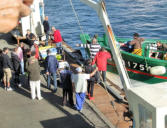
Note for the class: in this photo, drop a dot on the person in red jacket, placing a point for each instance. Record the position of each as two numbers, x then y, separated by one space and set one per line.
35 48
101 61
57 39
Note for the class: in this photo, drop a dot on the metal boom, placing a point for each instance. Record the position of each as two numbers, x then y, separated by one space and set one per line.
100 8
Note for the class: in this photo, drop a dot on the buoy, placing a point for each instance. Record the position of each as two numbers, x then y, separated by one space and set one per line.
158 70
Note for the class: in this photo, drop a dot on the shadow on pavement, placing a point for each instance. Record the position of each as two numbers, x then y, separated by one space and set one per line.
69 121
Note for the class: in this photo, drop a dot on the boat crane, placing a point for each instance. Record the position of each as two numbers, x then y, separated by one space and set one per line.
147 103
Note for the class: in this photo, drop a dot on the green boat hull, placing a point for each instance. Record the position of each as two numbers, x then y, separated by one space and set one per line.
138 67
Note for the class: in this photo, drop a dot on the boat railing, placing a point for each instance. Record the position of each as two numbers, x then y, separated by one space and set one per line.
151 50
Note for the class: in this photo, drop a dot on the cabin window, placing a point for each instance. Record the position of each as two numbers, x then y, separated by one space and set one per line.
145 117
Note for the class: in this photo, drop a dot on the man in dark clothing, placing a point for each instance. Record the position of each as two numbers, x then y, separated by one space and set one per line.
89 69
66 82
30 38
16 66
51 69
46 28
7 67
1 66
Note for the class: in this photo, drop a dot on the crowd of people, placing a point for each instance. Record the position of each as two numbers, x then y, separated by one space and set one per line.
25 62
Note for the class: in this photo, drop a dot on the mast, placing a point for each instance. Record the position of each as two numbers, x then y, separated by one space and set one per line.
100 8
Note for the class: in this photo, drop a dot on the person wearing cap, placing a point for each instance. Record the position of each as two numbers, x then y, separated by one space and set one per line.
51 69
137 42
79 81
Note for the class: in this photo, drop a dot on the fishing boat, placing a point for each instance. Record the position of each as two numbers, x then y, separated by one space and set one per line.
147 103
138 67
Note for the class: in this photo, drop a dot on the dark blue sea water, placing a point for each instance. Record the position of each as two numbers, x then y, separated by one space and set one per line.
147 17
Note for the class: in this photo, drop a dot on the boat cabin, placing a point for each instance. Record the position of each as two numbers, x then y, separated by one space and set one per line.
149 106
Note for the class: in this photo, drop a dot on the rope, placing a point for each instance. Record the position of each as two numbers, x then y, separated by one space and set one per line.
76 15
79 24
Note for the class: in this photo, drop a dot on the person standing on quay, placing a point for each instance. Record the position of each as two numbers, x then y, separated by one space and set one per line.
16 66
66 83
20 55
33 69
46 28
89 69
1 66
7 67
57 39
79 82
51 69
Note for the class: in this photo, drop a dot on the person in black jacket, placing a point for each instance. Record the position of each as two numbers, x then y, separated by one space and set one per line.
7 67
16 66
88 69
46 28
66 82
1 66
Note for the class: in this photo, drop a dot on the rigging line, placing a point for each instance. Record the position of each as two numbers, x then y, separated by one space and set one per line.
75 13
79 24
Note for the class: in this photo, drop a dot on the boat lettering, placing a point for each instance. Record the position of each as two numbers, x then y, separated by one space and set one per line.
138 66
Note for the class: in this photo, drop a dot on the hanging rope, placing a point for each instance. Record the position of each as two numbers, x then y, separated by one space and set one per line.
75 13
79 24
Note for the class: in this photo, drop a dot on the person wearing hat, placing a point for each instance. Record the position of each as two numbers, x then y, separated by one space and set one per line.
79 82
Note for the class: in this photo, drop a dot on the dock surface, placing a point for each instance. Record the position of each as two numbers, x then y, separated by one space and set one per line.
17 110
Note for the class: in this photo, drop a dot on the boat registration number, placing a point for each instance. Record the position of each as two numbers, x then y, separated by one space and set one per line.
138 66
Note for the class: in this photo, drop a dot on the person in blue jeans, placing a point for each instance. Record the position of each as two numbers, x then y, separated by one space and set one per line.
51 69
79 83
